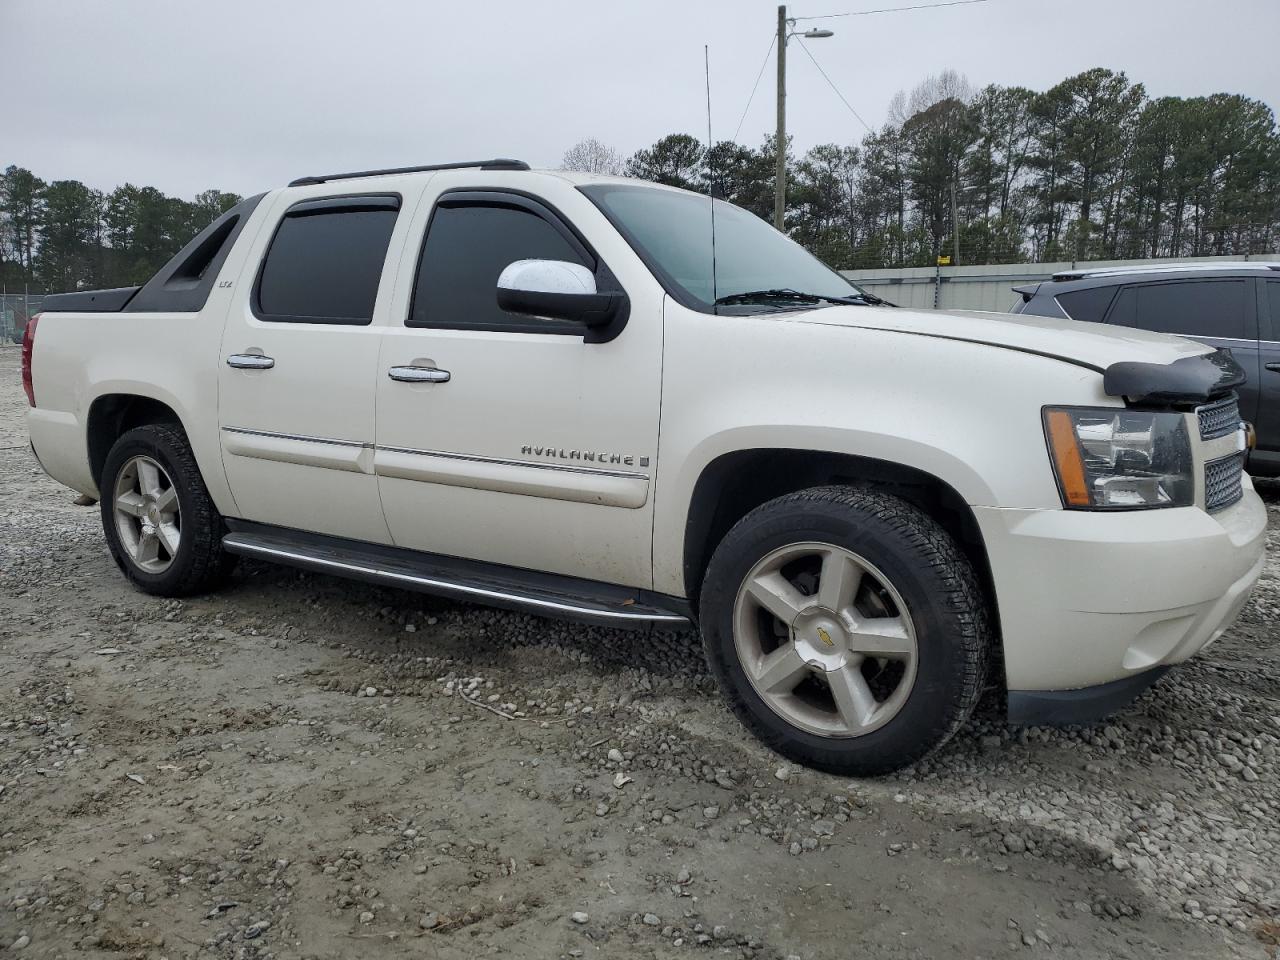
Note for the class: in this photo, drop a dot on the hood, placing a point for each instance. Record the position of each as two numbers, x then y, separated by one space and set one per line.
1093 345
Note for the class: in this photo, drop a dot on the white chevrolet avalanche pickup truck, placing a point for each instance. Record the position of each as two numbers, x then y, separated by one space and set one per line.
556 393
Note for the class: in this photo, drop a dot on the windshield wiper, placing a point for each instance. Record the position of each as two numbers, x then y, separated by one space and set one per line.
868 298
767 296
785 294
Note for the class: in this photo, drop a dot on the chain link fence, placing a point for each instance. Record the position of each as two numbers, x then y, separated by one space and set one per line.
15 309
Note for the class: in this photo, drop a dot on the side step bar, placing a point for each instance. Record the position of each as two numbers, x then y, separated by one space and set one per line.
548 595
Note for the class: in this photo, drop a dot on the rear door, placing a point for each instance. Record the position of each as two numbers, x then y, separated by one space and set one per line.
1219 311
1268 416
298 360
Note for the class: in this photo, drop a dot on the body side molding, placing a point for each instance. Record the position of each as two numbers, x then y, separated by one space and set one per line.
348 455
532 478
610 488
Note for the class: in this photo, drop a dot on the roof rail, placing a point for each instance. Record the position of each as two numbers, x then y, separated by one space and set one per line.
498 163
1082 273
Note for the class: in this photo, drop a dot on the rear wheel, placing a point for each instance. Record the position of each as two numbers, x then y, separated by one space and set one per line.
161 526
846 628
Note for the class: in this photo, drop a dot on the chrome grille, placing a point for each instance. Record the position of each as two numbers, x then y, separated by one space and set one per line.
1222 485
1219 419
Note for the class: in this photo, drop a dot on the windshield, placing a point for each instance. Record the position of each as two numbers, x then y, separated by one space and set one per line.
755 265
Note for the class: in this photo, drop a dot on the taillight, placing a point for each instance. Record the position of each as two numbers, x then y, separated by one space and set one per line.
28 345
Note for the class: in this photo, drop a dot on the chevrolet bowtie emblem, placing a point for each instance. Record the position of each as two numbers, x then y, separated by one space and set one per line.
825 637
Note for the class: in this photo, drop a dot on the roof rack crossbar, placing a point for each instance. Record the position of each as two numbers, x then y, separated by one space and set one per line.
498 163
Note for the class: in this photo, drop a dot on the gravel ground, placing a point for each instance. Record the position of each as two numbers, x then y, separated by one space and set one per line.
307 767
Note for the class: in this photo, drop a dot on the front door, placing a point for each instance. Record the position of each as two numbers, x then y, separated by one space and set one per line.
298 362
527 445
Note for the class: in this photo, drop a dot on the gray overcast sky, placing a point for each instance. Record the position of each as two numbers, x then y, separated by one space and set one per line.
244 95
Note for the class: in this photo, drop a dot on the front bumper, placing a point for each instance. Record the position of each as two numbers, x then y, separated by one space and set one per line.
1087 599
1086 705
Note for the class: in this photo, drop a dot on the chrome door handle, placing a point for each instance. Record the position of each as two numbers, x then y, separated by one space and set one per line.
250 361
419 374
1274 367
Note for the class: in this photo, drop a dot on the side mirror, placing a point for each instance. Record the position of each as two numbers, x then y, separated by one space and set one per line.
559 290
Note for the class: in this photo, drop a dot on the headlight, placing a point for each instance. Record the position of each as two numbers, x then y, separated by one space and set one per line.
1110 458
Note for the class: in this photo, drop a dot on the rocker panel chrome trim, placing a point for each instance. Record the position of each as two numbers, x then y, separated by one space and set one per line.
244 545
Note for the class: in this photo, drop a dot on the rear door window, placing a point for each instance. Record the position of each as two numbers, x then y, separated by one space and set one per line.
1192 308
325 261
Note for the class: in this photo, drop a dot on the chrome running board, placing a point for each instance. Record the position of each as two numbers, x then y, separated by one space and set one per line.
528 591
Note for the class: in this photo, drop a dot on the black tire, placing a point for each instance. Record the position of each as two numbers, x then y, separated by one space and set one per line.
199 563
931 575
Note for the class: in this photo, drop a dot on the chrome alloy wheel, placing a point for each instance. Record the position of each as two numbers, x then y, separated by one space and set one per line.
825 639
145 505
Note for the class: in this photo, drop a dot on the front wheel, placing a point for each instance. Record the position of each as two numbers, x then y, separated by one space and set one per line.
162 528
846 628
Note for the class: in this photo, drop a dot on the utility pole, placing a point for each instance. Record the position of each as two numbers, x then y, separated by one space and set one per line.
780 144
780 171
955 227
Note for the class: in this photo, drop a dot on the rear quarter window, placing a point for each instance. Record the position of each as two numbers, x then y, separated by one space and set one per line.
1089 305
1039 305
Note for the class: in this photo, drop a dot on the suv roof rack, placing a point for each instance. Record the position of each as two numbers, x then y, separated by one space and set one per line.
498 163
1184 267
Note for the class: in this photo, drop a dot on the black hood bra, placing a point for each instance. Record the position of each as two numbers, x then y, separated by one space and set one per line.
1189 380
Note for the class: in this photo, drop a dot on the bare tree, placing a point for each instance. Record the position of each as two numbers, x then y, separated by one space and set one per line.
592 156
947 85
897 113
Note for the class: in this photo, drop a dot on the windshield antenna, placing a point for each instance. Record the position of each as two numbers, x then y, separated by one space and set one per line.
711 179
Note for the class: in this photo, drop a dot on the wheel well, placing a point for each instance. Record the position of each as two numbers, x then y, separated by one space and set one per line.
735 484
113 414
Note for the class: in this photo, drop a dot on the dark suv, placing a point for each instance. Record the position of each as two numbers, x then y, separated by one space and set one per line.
1235 306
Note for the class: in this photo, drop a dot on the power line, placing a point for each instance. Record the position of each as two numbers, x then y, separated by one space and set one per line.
867 13
763 64
797 39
